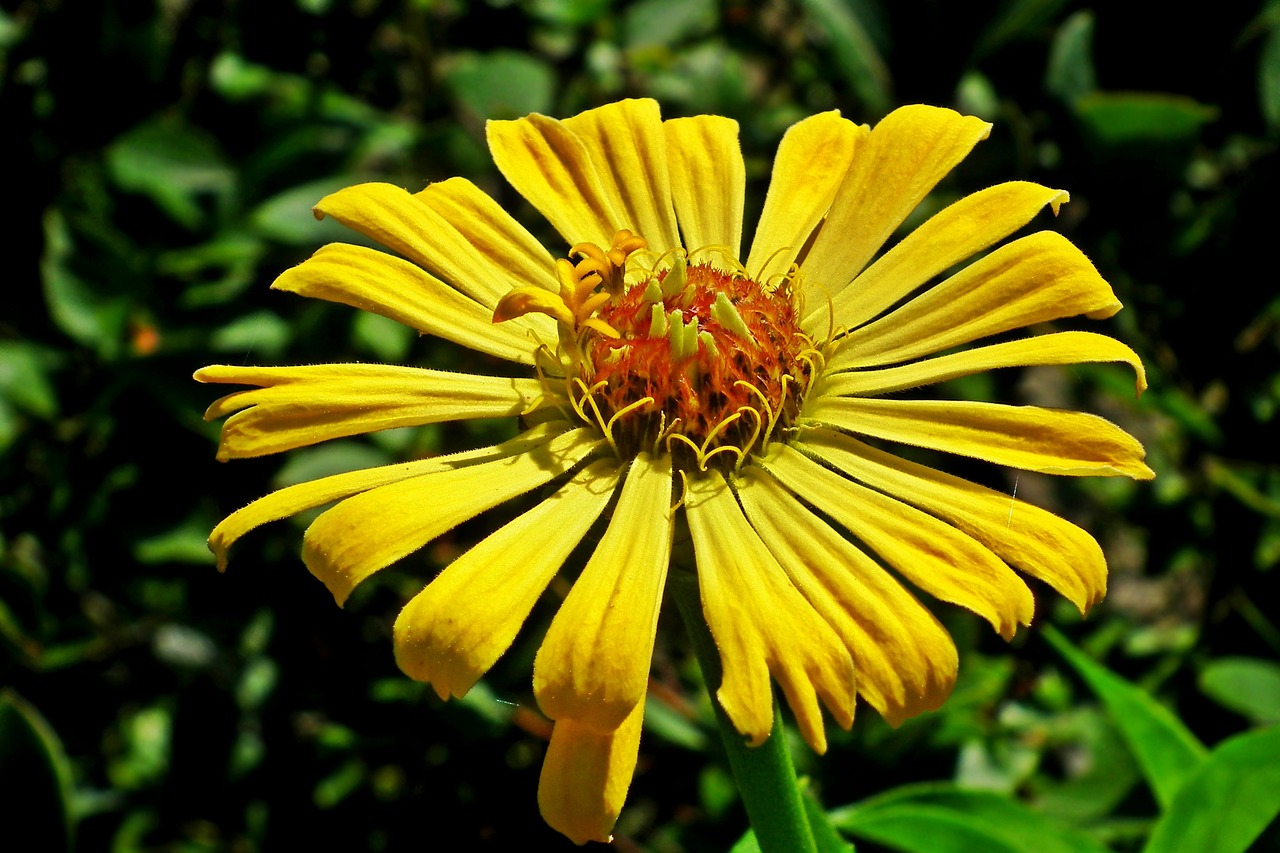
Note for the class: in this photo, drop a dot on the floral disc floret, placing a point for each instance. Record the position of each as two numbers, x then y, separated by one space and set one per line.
690 352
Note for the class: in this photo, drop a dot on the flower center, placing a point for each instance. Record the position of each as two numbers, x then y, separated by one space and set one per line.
685 353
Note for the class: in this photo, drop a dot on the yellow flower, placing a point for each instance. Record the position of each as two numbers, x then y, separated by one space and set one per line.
678 386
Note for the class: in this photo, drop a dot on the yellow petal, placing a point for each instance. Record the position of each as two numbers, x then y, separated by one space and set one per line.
506 253
762 625
585 777
377 282
410 226
708 180
629 149
455 629
812 160
1057 348
933 555
1035 279
370 531
593 665
957 232
1051 441
551 167
903 158
292 500
1027 537
298 406
904 659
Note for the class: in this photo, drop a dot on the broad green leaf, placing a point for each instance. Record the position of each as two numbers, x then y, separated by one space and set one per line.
502 84
942 818
1070 75
855 54
1166 751
174 164
35 775
287 218
1228 802
1249 686
24 378
83 312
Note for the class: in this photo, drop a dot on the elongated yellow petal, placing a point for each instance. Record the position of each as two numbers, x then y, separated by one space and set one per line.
1027 537
593 665
905 156
551 167
410 226
370 531
585 777
708 180
933 555
957 232
904 659
812 160
292 500
298 406
629 149
762 624
455 629
1051 441
382 284
509 254
1057 348
1035 279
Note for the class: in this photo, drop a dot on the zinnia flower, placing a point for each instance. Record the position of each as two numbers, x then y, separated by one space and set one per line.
674 383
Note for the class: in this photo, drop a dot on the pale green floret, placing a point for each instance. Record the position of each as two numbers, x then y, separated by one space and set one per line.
708 342
684 339
658 325
653 293
727 316
676 278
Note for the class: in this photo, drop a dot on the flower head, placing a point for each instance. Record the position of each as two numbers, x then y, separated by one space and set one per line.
674 384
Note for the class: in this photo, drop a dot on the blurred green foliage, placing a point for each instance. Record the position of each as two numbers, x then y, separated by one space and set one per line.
168 154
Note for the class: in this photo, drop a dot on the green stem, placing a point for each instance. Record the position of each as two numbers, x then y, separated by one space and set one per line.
765 776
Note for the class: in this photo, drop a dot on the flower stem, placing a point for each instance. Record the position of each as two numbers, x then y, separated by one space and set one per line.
765 776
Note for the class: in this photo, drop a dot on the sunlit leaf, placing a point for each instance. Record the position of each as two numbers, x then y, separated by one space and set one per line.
1165 749
1228 802
1249 686
501 84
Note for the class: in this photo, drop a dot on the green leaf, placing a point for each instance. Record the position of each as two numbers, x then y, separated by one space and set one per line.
942 818
825 835
1228 802
36 775
174 164
1269 78
651 23
287 218
1116 120
1249 686
501 84
1167 752
82 311
1070 75
855 53
23 378
1017 20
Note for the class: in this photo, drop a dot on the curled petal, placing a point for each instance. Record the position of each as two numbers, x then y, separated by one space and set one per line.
762 624
931 554
585 777
593 665
904 659
370 531
1027 537
455 629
